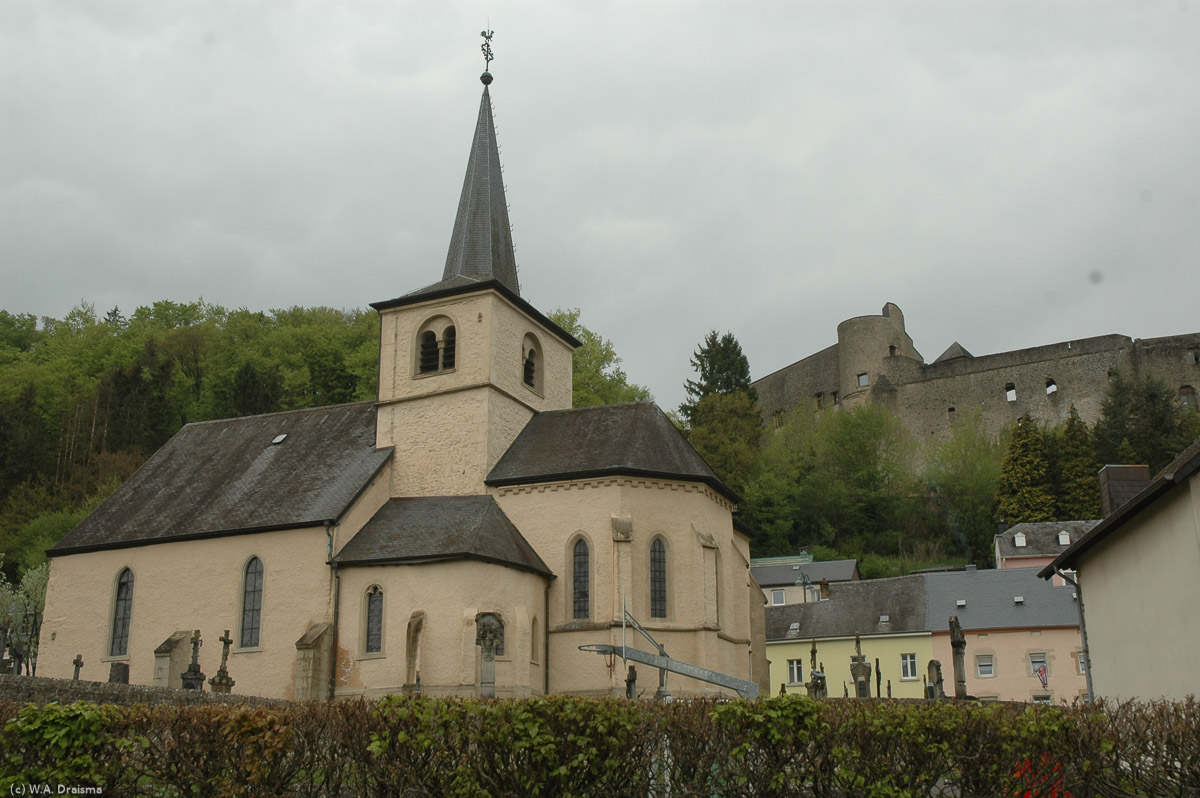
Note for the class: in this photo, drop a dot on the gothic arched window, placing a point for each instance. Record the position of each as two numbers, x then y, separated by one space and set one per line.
252 592
580 581
374 619
122 611
658 579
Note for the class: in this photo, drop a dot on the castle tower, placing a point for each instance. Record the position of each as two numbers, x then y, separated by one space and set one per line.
464 363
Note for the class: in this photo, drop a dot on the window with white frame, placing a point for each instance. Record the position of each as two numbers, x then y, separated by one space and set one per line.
1081 658
777 597
985 666
1041 698
795 671
1037 659
908 666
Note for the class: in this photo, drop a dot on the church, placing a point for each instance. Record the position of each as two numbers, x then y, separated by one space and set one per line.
351 550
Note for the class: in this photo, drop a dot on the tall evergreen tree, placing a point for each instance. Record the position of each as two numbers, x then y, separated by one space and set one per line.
722 367
1077 490
728 434
1025 492
1142 422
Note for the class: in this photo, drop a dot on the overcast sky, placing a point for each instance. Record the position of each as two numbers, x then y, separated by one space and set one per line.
1009 173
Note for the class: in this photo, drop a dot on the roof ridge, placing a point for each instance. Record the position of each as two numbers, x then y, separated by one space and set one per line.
293 411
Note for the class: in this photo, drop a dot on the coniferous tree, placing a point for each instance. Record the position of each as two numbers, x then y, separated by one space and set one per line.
727 433
1025 492
1078 488
1142 423
722 368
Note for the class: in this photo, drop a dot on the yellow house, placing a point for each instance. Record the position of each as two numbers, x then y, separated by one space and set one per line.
887 615
371 548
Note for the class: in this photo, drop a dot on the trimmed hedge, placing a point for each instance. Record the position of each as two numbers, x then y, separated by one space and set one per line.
565 746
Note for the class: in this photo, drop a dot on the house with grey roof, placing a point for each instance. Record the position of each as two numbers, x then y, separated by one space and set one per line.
1138 581
465 533
1022 633
792 580
1023 641
1034 544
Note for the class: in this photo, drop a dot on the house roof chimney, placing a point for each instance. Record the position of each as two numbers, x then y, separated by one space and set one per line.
1120 483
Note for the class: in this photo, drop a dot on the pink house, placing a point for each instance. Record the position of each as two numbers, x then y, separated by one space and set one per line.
1036 544
1023 641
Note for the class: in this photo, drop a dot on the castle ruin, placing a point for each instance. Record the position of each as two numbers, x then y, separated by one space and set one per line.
874 361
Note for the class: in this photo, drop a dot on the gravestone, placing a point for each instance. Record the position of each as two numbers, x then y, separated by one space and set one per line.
192 678
933 684
118 673
860 670
171 658
487 637
958 642
221 683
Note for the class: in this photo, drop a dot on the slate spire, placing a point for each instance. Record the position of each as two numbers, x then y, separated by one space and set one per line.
481 245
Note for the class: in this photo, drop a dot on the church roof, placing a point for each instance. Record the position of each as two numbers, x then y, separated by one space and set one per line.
429 529
481 245
630 439
229 476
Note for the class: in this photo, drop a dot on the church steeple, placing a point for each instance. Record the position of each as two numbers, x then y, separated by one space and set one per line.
481 244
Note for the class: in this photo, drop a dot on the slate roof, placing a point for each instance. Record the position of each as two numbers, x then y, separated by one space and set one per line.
223 477
1177 472
768 575
1041 537
481 245
953 352
853 607
990 601
627 439
429 529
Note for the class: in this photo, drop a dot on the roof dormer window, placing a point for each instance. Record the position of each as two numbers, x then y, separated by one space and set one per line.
1064 538
1019 540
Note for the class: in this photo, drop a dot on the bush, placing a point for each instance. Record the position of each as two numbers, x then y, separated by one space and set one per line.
570 746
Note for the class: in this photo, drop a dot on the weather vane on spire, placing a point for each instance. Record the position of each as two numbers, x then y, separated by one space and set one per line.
487 48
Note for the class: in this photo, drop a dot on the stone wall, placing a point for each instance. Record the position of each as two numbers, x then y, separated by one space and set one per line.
929 397
42 690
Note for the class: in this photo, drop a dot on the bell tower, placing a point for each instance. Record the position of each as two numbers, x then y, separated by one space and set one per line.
464 363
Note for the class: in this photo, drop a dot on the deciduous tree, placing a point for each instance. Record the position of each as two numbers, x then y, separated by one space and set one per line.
596 374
